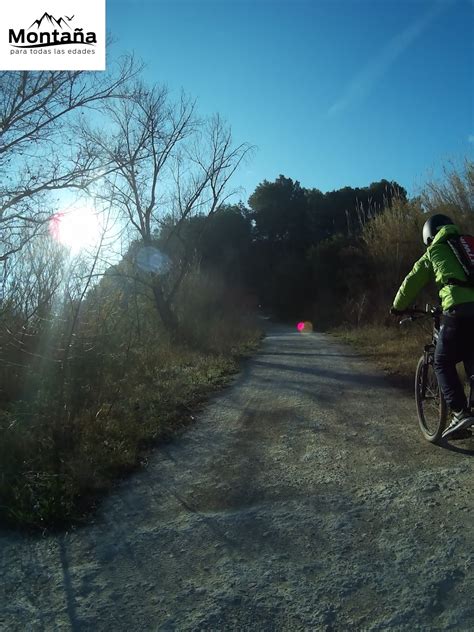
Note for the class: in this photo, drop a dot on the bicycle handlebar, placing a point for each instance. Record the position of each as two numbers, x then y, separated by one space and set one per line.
433 312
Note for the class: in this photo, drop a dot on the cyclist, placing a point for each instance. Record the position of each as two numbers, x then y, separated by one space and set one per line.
456 335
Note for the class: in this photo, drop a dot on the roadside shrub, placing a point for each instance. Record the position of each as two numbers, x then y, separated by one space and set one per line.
341 280
454 193
215 317
83 417
392 242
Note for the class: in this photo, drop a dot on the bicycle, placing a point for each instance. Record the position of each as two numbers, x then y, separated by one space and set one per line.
431 406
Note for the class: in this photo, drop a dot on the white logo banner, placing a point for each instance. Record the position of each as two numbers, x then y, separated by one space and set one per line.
52 35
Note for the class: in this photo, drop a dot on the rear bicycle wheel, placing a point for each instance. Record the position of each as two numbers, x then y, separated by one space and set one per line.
430 403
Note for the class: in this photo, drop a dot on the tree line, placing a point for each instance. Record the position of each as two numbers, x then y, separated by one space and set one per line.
325 257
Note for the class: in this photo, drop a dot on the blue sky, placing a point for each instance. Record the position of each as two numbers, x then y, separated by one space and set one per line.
332 93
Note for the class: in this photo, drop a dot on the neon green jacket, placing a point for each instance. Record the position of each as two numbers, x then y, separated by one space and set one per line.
438 262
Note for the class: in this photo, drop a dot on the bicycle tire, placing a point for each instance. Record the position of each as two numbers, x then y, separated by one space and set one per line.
432 410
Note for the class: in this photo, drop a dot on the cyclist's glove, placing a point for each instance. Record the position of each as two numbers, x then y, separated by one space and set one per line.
396 312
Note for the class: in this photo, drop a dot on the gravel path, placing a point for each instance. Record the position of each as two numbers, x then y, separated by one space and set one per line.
304 498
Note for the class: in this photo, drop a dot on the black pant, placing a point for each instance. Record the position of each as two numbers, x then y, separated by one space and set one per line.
455 344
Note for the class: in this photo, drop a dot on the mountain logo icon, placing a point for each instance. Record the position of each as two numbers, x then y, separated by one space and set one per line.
51 31
47 18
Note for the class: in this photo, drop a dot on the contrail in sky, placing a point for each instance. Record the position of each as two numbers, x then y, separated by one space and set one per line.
361 84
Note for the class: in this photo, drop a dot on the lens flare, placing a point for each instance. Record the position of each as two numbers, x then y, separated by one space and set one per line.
305 327
150 259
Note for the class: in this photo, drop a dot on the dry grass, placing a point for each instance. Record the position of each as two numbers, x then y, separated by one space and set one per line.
56 463
394 350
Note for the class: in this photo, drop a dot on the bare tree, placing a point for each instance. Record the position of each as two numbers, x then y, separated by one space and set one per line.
168 162
32 279
39 151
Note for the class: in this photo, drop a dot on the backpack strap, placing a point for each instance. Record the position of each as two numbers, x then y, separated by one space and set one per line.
460 283
462 247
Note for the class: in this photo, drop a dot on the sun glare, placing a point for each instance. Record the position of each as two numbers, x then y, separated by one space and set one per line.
76 229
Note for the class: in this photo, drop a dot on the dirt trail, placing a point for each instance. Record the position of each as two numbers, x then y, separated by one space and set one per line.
304 498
